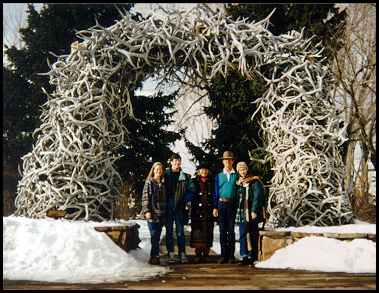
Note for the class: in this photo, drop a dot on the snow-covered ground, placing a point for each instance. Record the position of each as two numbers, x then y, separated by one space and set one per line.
327 254
320 253
73 252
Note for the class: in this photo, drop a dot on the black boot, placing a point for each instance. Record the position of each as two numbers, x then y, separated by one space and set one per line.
222 260
154 260
232 260
245 261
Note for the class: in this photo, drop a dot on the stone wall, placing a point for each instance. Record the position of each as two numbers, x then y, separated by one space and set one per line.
125 236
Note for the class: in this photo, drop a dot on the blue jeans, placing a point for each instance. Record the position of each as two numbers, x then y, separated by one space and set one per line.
244 229
178 219
155 229
227 235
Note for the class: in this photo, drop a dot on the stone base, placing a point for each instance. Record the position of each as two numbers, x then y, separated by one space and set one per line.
126 236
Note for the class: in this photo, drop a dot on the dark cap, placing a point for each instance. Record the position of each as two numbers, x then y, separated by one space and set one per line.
202 165
227 155
175 156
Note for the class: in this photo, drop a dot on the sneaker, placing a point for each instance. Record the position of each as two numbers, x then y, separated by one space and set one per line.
183 258
154 260
171 257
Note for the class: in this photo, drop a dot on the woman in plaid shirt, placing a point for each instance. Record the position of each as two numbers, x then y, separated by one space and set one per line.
154 206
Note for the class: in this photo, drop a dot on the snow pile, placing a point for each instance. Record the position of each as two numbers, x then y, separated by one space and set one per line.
71 252
351 228
326 255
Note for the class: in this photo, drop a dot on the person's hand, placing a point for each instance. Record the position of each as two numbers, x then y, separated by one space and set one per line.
215 213
253 215
147 215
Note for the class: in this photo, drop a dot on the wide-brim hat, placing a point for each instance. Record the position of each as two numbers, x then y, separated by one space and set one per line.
202 165
227 155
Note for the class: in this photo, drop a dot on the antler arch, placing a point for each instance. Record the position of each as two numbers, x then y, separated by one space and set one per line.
71 164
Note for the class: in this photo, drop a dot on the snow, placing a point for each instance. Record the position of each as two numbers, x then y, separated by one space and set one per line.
71 252
351 228
325 254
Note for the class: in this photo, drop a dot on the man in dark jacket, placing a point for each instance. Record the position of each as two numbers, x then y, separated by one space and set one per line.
177 184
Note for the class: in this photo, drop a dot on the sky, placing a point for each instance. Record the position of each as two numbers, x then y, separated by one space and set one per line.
73 252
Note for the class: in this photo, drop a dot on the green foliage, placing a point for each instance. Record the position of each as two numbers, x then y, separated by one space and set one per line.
16 117
323 21
232 99
148 140
53 30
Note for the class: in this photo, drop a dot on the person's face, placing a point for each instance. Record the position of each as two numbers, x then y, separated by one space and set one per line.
203 172
176 164
228 163
242 171
158 171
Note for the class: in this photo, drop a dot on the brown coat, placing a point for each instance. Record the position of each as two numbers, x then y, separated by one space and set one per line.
201 214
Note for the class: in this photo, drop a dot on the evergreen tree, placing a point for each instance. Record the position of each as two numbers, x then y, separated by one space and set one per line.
16 130
148 139
53 30
232 99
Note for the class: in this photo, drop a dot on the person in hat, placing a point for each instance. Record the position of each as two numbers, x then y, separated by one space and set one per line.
224 206
248 212
177 184
202 221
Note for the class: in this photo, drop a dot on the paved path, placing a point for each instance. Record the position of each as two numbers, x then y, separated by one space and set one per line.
210 275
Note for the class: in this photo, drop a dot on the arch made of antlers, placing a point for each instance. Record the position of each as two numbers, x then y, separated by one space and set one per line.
71 164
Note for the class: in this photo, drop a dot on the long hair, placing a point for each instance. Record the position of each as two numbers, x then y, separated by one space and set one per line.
151 173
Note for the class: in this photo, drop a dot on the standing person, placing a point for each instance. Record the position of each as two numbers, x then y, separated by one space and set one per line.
154 208
243 217
249 212
177 185
224 206
201 212
256 211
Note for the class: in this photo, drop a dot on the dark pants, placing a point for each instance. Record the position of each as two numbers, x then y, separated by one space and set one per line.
155 229
178 219
227 235
255 235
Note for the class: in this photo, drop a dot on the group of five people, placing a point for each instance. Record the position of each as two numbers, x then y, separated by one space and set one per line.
230 197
